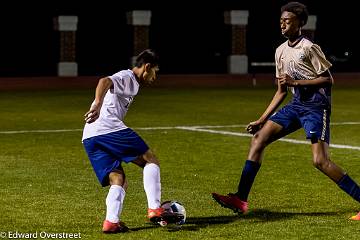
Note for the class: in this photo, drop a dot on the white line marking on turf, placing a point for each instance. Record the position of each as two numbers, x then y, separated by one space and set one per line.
139 128
150 128
41 131
200 129
345 123
249 135
203 126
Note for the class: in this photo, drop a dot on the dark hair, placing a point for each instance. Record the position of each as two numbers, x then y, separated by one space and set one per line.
147 56
299 9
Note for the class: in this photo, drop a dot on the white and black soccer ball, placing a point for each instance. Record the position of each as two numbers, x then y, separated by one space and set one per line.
175 207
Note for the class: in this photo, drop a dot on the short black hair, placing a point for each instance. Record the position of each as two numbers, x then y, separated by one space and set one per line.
299 9
147 56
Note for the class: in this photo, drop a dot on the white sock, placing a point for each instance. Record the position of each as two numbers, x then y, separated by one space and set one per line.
152 185
114 203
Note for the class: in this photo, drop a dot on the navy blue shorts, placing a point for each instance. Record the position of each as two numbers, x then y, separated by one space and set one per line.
106 152
315 121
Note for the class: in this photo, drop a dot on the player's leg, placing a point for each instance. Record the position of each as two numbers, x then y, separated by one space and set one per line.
316 124
280 124
321 161
269 133
109 172
130 147
152 186
151 180
238 201
114 202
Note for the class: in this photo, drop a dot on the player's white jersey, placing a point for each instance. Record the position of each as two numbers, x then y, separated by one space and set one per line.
305 60
115 106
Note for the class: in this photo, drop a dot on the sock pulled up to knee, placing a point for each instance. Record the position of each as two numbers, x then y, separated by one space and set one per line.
350 187
247 179
152 185
114 203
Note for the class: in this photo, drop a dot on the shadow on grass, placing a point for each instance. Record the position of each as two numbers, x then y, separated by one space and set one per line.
265 215
193 223
147 226
259 215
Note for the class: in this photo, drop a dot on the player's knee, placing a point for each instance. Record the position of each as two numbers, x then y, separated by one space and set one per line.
150 157
257 142
320 162
117 178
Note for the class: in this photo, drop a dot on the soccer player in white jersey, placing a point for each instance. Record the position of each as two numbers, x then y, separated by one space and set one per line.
301 66
109 142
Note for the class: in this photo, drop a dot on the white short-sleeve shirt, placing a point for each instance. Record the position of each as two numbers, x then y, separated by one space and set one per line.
115 106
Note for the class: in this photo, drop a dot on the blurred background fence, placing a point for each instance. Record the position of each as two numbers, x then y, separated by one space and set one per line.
231 37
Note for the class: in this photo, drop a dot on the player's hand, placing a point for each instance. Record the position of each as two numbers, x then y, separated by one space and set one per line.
287 81
253 127
92 114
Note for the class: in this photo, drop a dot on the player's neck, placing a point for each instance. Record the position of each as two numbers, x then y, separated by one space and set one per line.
292 41
137 72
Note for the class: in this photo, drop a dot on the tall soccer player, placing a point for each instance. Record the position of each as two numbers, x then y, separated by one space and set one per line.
109 142
302 68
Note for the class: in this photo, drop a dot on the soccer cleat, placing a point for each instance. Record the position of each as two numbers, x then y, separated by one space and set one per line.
154 215
109 227
356 217
163 218
232 202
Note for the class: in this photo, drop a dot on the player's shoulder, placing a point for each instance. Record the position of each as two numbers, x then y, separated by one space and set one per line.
306 43
124 75
311 47
282 46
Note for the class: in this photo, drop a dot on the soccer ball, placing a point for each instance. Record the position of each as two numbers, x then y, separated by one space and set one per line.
175 207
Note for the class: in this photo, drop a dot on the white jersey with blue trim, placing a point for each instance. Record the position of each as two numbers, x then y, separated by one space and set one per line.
115 106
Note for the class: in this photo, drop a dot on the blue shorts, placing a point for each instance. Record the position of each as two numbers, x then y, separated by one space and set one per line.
106 152
315 121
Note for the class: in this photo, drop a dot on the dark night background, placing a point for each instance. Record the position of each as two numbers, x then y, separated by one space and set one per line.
190 36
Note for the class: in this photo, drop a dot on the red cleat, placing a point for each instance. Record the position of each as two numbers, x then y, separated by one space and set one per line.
162 217
232 202
356 217
109 227
154 215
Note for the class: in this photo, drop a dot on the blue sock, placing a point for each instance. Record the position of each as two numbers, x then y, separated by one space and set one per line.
247 178
350 187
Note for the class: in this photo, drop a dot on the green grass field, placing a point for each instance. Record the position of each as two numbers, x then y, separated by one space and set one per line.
47 183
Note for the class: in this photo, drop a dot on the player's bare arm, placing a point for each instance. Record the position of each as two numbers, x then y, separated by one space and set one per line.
103 86
278 98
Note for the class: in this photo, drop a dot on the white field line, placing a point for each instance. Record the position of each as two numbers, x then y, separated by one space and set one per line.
41 131
140 128
289 140
149 128
200 129
345 123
